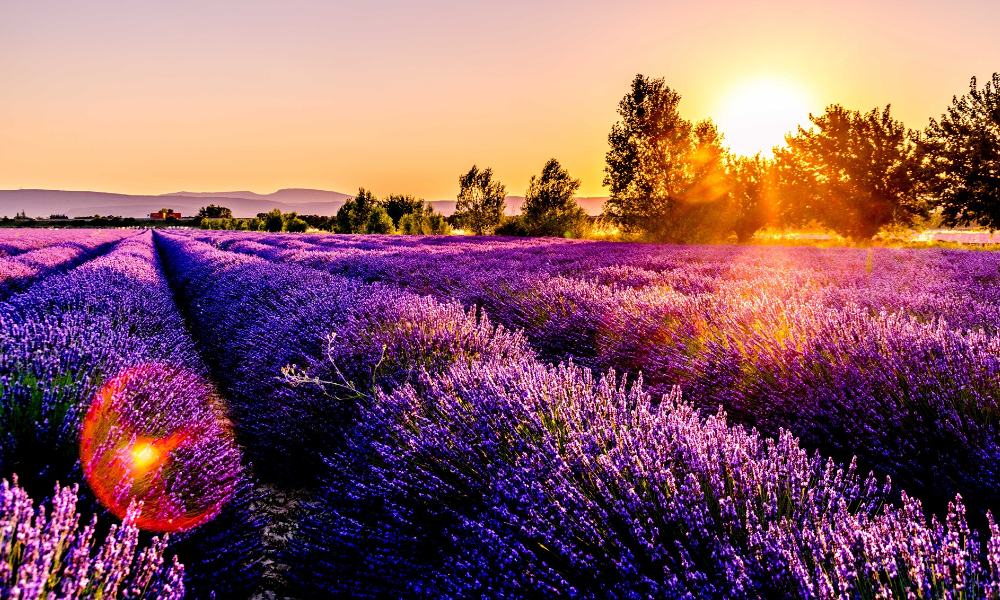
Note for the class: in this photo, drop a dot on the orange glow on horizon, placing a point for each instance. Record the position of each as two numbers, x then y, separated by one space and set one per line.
755 116
153 98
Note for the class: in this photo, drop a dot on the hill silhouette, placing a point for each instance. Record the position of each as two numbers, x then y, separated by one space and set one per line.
42 203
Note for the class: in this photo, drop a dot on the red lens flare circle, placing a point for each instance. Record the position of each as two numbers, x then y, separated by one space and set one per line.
153 434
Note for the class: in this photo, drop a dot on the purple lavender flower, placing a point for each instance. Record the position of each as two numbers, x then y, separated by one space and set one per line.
45 554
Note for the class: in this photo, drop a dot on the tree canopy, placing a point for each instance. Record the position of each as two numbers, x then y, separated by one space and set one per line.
354 215
273 221
665 173
752 187
424 222
550 208
961 153
379 221
481 201
855 172
215 212
397 205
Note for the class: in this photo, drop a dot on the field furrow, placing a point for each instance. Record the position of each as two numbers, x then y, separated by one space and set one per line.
18 272
70 336
433 444
887 355
14 242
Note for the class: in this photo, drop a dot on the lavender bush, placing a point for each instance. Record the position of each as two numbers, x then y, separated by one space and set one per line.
398 387
288 323
14 242
533 481
68 335
49 252
45 554
887 355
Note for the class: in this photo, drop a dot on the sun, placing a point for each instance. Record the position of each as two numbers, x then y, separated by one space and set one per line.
756 116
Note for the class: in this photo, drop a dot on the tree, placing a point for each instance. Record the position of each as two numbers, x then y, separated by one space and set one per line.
550 208
215 212
751 186
481 201
379 221
961 155
513 226
296 225
353 215
397 205
424 222
854 172
273 221
438 223
666 175
412 224
292 223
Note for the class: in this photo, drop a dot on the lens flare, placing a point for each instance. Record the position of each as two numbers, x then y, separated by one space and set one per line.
153 434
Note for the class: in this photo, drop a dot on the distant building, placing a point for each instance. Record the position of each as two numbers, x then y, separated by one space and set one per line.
164 215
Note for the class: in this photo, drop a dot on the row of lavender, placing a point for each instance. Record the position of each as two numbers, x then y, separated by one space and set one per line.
892 356
14 242
455 464
61 340
33 255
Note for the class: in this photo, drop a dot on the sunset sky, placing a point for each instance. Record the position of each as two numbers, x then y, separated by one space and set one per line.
154 96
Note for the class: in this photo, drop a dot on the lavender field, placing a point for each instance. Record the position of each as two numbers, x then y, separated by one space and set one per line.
317 416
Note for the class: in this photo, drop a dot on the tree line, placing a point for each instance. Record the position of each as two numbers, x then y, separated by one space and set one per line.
395 213
852 172
220 217
674 181
549 209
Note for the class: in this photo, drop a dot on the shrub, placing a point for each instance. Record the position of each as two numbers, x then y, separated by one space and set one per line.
50 556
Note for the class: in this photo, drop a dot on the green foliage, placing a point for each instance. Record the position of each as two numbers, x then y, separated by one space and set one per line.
215 212
514 227
343 217
398 205
379 221
961 155
33 423
854 172
751 187
322 223
481 201
438 224
549 205
424 222
296 225
354 215
667 176
273 221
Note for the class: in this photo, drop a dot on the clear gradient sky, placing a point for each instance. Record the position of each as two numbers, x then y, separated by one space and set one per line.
155 96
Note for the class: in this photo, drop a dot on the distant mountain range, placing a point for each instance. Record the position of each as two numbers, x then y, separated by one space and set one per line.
42 203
